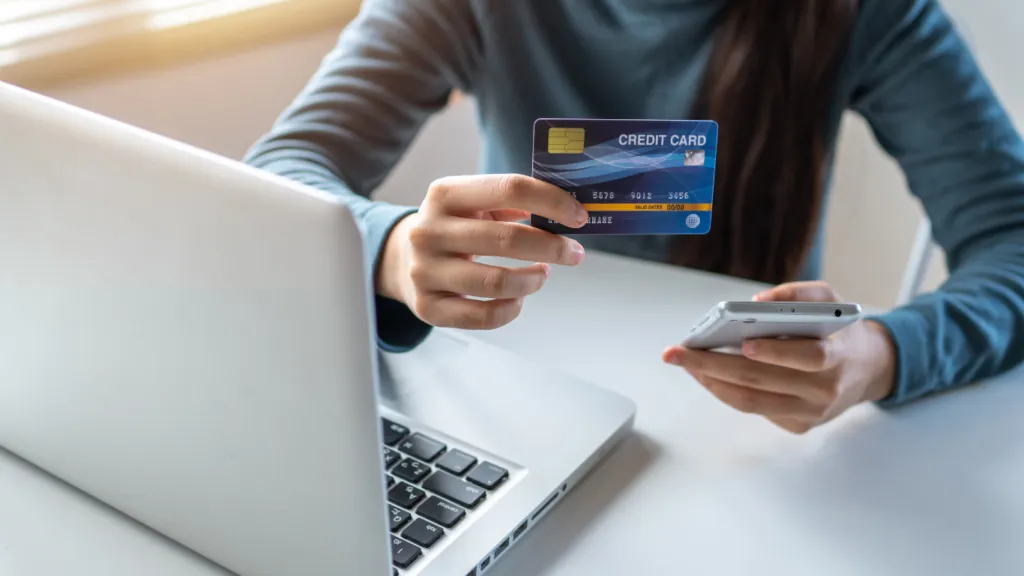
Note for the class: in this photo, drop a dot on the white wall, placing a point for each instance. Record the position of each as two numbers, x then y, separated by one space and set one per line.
225 104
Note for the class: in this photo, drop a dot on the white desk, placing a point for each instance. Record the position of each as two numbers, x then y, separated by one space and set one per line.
935 489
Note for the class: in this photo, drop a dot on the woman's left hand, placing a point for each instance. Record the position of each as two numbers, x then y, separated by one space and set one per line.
798 384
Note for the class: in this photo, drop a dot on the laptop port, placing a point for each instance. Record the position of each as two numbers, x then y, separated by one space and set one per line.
472 572
519 531
501 548
485 564
544 506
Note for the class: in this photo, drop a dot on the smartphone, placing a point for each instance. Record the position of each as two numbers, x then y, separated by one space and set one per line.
729 324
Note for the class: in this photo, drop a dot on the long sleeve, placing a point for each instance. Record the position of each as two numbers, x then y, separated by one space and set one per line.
393 67
930 107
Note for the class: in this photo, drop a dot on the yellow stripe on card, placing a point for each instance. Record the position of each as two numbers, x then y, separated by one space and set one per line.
647 207
566 140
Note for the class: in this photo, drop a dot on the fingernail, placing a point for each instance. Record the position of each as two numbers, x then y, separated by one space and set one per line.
546 269
577 252
750 348
678 358
581 216
760 296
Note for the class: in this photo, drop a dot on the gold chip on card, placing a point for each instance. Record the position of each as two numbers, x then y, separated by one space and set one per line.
566 140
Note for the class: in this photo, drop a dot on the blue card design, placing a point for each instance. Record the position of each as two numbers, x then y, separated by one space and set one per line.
633 176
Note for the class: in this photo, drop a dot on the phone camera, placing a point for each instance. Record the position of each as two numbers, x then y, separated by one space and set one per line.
839 313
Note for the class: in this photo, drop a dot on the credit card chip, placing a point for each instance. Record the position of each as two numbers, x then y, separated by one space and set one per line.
566 140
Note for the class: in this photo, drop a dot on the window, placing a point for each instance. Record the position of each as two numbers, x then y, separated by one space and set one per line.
68 33
24 23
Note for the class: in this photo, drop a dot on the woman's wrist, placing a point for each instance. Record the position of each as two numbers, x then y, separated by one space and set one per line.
883 357
392 265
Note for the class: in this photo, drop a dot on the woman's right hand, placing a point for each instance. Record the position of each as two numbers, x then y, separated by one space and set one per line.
429 258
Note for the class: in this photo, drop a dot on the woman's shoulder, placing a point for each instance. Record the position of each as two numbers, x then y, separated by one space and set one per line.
893 35
883 25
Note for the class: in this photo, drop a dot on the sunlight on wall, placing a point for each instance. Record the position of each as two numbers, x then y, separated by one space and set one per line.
207 10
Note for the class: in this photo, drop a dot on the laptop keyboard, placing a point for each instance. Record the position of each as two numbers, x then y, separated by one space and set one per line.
431 489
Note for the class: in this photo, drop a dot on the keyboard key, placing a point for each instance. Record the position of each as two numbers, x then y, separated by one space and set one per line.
403 553
393 433
422 447
456 461
405 495
390 457
411 470
450 487
397 518
391 480
423 533
488 475
444 513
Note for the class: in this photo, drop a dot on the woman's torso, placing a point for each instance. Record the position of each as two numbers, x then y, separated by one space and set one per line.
592 59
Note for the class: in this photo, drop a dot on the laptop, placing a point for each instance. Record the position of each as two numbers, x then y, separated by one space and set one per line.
190 340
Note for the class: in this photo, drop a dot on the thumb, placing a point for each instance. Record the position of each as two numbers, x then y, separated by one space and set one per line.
799 292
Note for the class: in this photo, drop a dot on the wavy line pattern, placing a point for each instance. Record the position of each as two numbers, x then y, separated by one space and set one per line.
607 162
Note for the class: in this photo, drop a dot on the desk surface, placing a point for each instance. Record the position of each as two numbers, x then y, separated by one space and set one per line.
937 488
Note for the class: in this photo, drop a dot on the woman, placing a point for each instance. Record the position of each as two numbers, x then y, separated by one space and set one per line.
777 77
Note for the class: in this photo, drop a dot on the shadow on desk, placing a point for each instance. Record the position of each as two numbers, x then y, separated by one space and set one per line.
935 488
592 498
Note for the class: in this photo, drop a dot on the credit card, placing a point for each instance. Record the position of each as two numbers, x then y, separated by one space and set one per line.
632 176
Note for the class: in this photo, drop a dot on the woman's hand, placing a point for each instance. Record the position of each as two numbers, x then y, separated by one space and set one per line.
798 384
428 260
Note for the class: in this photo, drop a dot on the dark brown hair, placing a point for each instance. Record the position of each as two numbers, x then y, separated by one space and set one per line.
770 83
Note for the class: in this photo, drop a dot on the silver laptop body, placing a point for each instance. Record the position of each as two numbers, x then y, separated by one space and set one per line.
190 341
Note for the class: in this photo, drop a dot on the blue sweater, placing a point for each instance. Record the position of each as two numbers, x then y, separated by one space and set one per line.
907 72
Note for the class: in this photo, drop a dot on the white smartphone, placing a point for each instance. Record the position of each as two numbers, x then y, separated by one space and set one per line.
729 324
